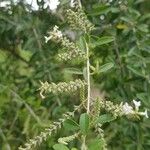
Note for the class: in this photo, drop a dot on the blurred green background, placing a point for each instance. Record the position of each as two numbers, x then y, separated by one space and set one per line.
25 59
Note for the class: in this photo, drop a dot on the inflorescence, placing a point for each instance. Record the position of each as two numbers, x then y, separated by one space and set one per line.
118 110
72 49
78 20
36 141
61 87
54 127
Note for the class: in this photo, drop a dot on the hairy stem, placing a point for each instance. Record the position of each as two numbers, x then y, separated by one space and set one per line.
88 79
88 71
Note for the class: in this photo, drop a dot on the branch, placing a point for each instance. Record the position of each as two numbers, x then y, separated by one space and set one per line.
88 78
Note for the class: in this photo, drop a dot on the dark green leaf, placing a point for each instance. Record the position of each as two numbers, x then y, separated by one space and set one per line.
60 147
70 125
84 123
105 118
99 9
102 41
73 71
106 67
96 144
135 71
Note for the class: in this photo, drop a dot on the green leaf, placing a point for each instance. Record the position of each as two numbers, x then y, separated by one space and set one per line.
102 9
99 9
73 71
70 125
81 43
84 123
102 41
96 144
105 118
106 67
143 28
85 73
137 72
60 147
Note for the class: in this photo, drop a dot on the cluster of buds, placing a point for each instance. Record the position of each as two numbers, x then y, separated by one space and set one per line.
120 109
96 109
78 20
115 110
36 141
71 54
72 50
61 87
66 140
100 132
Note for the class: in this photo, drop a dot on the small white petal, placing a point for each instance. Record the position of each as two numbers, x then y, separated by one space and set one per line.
72 3
102 17
119 2
47 38
56 28
137 104
145 113
57 32
52 4
41 94
127 109
4 3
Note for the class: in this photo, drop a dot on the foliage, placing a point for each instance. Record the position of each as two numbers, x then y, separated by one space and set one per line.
120 58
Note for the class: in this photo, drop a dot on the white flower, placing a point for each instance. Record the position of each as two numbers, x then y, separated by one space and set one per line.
102 17
52 4
127 109
4 4
137 104
57 32
72 3
56 29
145 113
47 38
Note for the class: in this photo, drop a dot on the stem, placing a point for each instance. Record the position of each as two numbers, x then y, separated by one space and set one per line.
88 78
83 146
88 71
